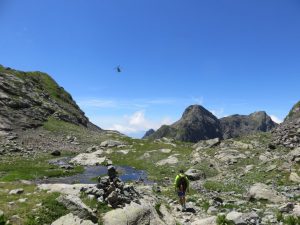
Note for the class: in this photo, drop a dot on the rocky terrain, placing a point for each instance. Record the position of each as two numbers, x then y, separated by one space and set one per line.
288 133
250 179
197 123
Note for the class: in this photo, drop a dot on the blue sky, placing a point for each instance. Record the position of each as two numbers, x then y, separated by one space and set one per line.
231 56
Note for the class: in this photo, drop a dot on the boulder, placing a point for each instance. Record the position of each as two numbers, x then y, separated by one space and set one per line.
207 221
165 150
139 214
294 155
294 177
261 191
243 218
229 156
89 159
77 207
286 208
171 160
71 219
194 174
56 153
111 143
16 191
207 143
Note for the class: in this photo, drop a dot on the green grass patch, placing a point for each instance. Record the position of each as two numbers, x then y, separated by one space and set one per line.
223 186
221 220
50 211
18 168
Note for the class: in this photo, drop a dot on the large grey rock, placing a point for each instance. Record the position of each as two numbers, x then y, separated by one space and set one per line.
207 221
77 207
16 191
171 160
207 143
229 155
294 177
70 219
89 159
239 218
133 214
194 174
111 143
261 191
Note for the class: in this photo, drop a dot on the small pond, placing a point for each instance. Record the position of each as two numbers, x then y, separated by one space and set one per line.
126 173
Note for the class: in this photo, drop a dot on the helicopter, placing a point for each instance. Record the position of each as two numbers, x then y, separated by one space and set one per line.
118 69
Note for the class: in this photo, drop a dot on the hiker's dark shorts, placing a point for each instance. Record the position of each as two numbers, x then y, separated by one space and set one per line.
181 193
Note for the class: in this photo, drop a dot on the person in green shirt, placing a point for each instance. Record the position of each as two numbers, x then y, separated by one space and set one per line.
181 185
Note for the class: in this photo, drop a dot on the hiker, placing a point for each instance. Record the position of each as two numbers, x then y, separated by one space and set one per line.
181 186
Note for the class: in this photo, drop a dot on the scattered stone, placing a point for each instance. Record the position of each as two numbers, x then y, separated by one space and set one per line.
22 200
16 191
15 219
207 143
212 210
229 156
248 168
261 191
243 218
56 153
165 150
270 168
207 221
286 208
111 143
171 160
294 177
194 174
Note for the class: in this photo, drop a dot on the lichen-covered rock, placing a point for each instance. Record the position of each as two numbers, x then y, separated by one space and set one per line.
71 219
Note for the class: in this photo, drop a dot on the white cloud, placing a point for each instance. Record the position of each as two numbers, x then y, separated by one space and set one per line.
137 123
137 104
276 119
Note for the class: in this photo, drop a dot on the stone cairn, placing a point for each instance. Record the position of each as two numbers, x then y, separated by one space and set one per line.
112 191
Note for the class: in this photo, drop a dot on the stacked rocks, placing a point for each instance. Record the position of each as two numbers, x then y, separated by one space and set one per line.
112 191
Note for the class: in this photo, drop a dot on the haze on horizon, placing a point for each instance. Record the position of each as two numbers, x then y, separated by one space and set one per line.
232 57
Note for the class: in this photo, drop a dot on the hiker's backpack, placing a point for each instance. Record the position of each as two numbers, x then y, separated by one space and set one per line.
182 181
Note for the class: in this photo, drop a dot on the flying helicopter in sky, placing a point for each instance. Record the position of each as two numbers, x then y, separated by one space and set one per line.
118 69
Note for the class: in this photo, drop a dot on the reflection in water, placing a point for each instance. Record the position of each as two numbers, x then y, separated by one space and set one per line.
126 173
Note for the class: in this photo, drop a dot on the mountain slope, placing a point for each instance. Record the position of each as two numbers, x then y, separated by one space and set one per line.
196 123
288 133
28 99
239 125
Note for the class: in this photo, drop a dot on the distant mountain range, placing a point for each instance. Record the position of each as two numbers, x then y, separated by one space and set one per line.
197 123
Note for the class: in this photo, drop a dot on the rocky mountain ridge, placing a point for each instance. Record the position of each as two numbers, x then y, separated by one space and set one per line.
197 123
287 134
28 99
